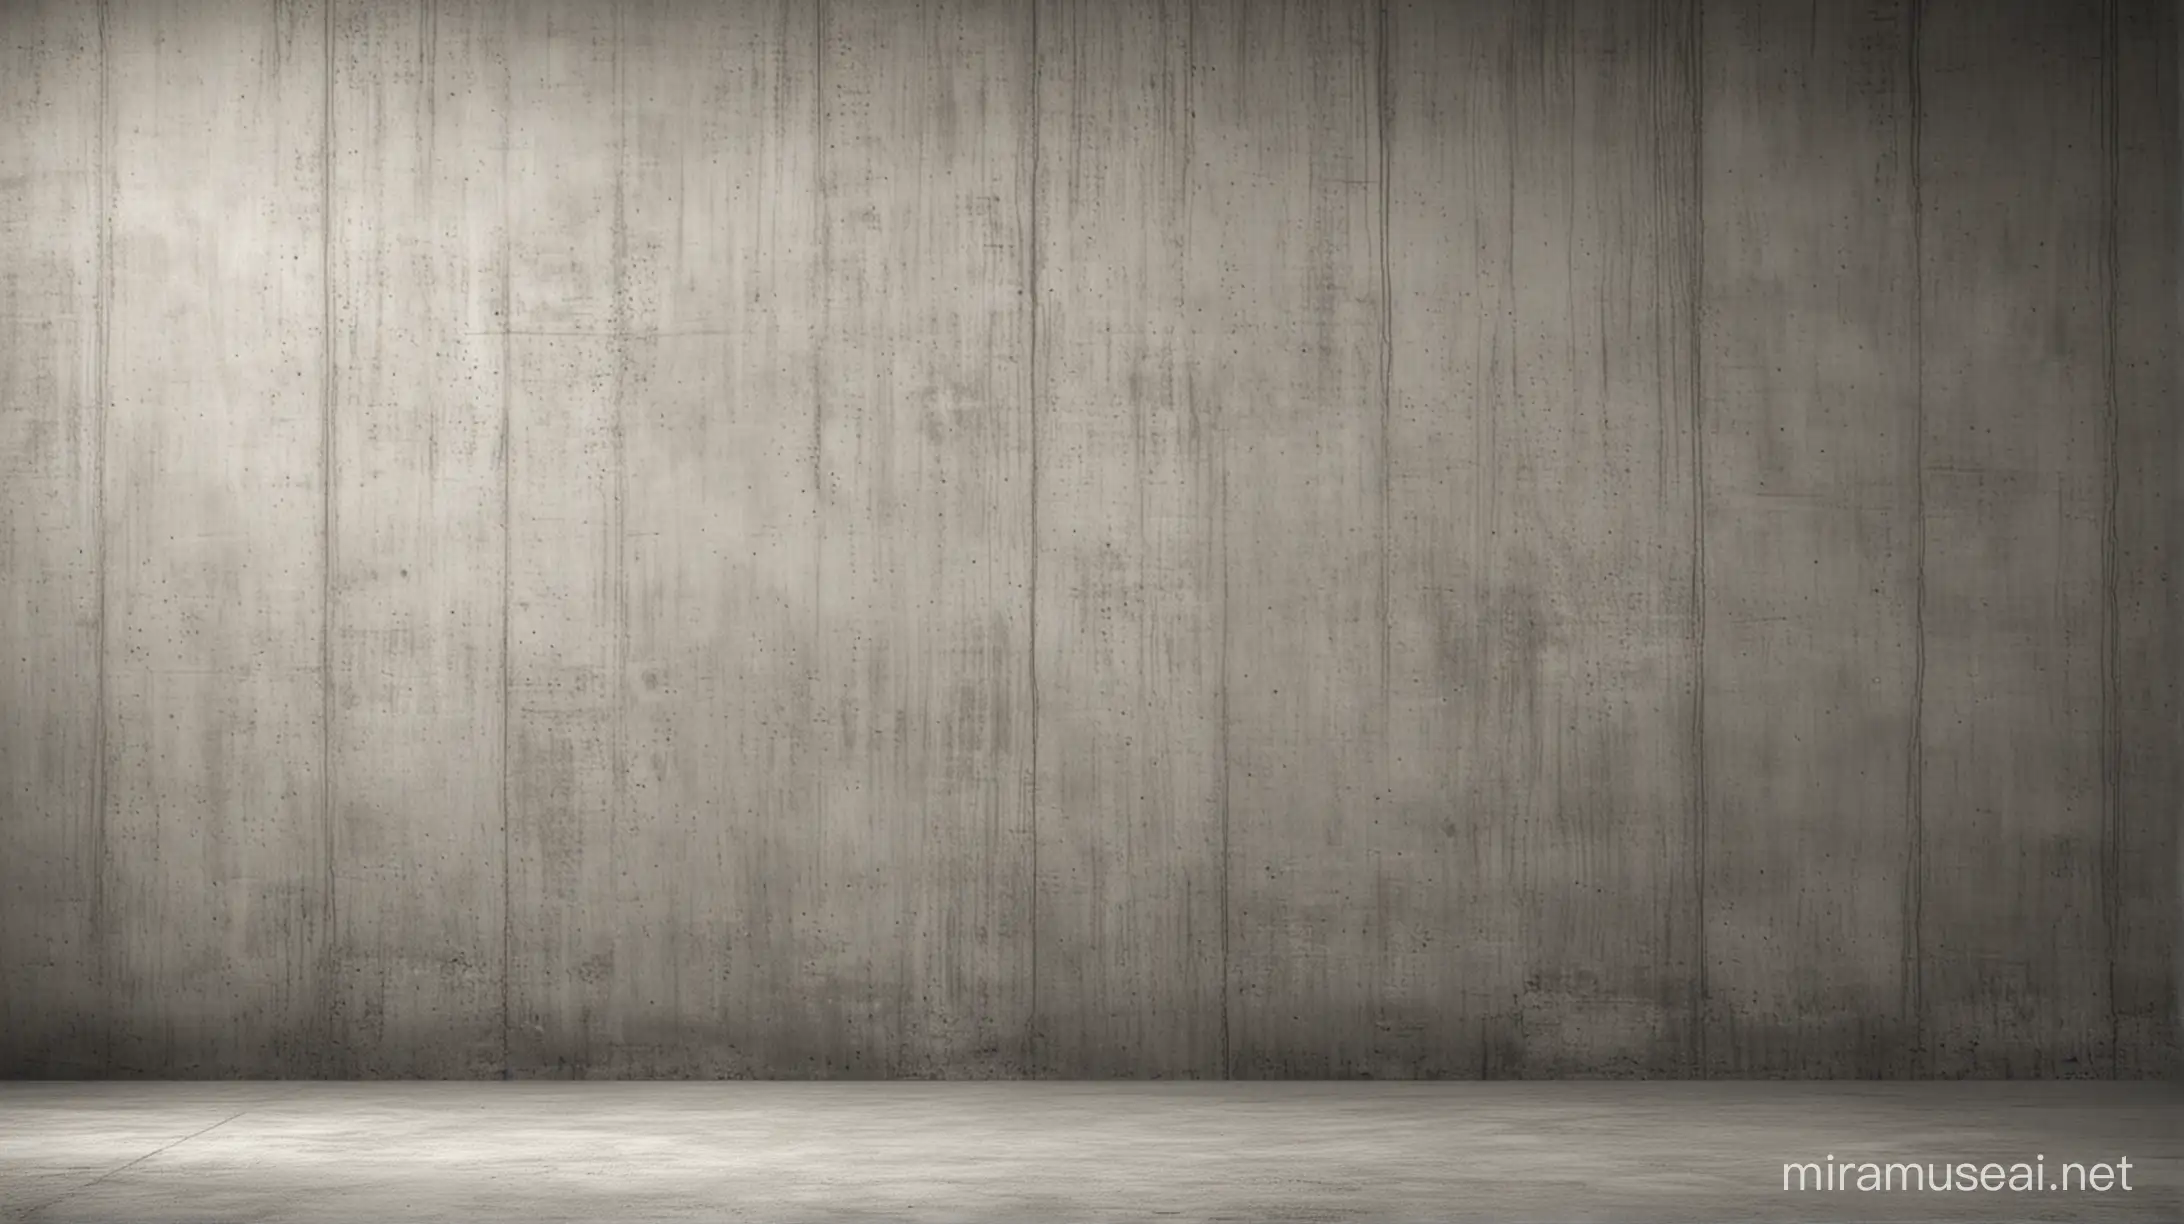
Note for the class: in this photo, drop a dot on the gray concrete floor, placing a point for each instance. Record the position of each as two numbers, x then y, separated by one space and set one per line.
1058 1152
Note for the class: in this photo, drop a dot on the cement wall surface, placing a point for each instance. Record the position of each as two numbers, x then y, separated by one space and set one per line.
1148 538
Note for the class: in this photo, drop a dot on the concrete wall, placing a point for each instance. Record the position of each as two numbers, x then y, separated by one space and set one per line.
1089 537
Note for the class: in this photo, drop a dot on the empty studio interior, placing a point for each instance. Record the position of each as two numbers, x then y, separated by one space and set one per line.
1255 610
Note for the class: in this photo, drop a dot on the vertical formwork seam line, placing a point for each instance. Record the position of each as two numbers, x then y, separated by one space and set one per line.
1383 114
102 408
1915 763
2111 612
508 550
328 953
1031 1035
815 674
1696 255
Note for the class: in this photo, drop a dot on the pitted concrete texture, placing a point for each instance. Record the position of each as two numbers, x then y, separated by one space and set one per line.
1060 1152
1086 539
